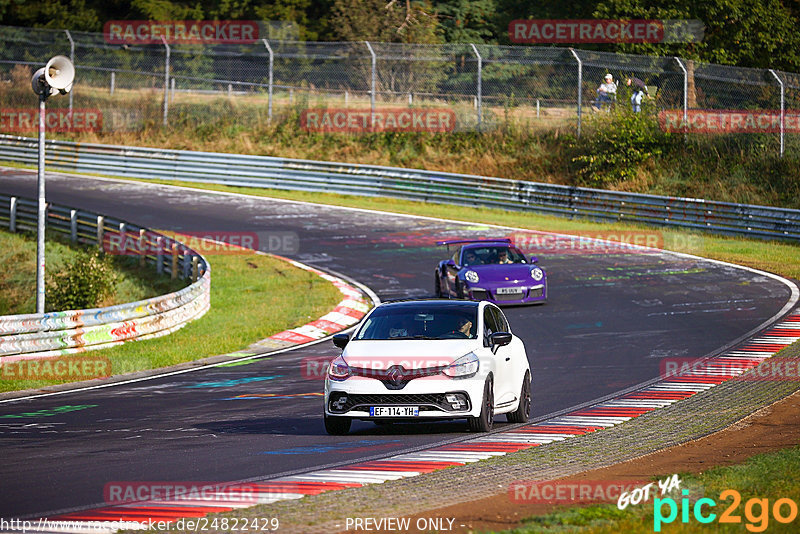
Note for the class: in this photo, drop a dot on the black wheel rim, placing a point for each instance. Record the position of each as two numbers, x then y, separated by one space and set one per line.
489 407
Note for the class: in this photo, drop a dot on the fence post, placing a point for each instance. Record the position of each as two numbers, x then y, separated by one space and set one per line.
685 91
159 255
71 58
372 88
12 215
173 273
580 84
166 78
113 82
269 90
122 237
141 244
480 79
101 221
783 110
73 226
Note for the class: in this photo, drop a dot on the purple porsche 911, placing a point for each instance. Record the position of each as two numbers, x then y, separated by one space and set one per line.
490 269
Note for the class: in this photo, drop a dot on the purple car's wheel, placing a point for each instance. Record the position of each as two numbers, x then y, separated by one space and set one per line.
437 286
459 289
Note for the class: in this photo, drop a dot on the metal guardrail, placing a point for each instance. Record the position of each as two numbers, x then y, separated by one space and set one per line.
66 332
429 186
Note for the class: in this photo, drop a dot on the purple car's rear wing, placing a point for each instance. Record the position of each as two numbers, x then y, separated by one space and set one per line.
464 241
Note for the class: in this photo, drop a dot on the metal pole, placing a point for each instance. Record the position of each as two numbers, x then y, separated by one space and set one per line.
166 79
783 118
71 58
580 84
42 209
685 91
12 215
372 88
113 80
480 79
269 93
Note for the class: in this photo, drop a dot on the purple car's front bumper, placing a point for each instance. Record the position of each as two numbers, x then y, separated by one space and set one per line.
529 294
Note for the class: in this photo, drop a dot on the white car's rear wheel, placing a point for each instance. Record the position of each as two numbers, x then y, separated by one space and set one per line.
523 411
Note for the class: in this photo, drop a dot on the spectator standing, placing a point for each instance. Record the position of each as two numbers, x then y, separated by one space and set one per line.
639 91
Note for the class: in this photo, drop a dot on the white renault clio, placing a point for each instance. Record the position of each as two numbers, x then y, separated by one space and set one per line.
420 360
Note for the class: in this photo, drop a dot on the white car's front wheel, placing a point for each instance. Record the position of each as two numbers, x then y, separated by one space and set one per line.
483 423
337 426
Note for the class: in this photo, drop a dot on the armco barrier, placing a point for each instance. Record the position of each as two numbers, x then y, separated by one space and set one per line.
429 186
66 332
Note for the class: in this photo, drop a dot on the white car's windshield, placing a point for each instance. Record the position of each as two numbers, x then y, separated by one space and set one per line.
421 321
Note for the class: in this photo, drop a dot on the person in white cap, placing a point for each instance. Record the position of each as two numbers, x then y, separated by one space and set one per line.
607 92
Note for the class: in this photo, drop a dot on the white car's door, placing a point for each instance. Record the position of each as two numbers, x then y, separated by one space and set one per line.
504 388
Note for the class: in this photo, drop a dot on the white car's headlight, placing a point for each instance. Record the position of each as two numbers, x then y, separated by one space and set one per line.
338 369
464 367
472 277
537 274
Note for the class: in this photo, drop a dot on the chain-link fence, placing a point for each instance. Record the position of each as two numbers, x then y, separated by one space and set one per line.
130 87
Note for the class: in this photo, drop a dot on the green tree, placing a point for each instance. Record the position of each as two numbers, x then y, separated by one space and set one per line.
468 21
747 33
70 14
377 20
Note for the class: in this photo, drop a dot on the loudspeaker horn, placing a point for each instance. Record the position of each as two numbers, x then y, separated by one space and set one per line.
59 74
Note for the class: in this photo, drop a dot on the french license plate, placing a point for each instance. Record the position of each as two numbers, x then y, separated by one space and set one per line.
394 411
509 290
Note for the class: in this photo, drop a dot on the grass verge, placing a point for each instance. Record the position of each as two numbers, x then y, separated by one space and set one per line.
18 275
252 297
760 482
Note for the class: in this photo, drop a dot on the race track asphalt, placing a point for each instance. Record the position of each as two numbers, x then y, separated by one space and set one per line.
610 322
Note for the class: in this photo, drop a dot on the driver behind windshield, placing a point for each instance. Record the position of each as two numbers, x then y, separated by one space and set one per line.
463 326
470 258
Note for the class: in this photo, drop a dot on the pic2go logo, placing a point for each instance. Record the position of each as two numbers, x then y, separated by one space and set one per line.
756 511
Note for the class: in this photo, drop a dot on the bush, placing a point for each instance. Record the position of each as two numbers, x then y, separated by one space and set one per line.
83 282
616 144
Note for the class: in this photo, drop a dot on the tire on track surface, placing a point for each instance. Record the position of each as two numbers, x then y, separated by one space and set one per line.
484 421
337 426
523 411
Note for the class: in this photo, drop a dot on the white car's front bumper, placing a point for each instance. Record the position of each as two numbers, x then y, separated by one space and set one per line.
428 393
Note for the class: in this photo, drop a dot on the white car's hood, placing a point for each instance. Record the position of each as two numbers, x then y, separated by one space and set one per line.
410 353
